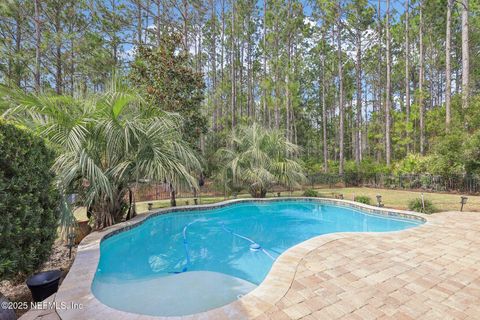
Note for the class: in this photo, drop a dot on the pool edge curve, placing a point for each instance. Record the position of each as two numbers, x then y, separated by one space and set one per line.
76 287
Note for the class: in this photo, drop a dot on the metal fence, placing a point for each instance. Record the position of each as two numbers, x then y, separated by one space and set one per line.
456 183
466 184
161 191
469 184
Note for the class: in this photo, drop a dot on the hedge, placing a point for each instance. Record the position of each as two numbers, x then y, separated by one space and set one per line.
28 201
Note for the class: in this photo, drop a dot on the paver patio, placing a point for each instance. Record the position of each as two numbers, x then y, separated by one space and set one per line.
428 272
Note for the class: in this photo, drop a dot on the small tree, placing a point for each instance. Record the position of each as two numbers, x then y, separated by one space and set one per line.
29 201
257 159
107 144
169 83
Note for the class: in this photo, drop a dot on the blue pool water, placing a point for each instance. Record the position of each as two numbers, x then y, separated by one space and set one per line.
188 262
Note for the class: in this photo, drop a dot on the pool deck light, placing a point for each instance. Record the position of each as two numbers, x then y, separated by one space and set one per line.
379 201
463 201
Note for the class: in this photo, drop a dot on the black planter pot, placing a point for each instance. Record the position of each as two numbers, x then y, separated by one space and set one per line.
43 284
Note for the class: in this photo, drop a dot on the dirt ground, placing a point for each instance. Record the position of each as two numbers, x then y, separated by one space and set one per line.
18 291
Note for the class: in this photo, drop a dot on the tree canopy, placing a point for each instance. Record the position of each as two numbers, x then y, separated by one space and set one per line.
350 80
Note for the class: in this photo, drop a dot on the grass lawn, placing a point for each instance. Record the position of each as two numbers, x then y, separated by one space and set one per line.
399 199
396 199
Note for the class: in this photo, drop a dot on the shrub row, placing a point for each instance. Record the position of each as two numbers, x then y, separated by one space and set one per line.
28 201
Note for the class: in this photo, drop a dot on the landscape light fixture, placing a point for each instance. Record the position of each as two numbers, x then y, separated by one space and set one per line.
423 203
379 200
463 201
71 243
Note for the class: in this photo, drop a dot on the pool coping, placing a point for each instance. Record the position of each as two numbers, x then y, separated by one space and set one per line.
75 290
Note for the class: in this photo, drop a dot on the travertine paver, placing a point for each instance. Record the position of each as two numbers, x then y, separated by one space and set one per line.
429 272
47 313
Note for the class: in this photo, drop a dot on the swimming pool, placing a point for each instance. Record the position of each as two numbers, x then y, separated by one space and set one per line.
192 261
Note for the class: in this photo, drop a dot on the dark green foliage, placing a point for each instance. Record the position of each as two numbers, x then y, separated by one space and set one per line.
365 171
312 166
171 84
472 154
310 193
416 205
413 163
259 159
447 155
28 201
363 199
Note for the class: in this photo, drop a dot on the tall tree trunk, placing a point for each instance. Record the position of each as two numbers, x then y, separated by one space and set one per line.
199 48
185 24
37 45
58 75
287 78
379 78
353 128
214 66
324 109
58 53
265 107
340 83
239 87
222 74
276 76
114 37
18 46
388 154
232 62
457 70
158 23
250 84
72 66
358 73
365 133
465 56
420 84
448 79
147 22
173 197
139 21
407 72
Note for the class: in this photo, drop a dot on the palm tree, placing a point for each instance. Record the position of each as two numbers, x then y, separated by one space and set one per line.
257 159
106 144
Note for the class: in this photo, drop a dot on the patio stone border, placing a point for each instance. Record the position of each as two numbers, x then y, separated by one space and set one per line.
76 287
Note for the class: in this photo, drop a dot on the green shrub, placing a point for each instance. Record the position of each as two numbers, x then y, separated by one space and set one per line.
472 154
28 201
312 166
363 199
310 193
416 205
356 174
447 155
411 164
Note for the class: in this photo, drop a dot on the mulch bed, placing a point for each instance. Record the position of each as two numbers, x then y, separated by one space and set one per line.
17 290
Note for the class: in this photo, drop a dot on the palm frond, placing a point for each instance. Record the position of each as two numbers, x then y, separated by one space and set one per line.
259 158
